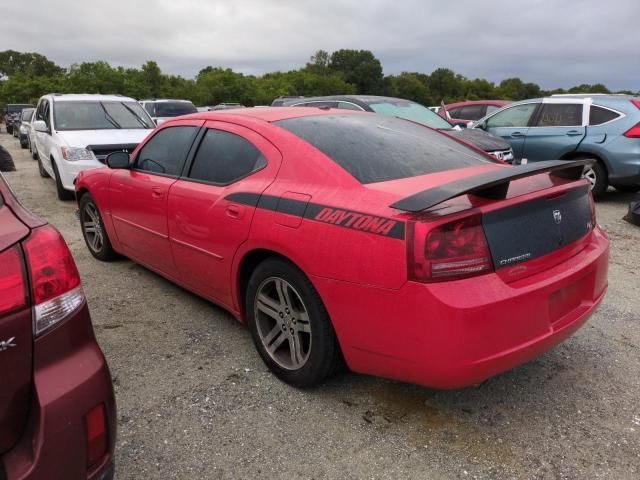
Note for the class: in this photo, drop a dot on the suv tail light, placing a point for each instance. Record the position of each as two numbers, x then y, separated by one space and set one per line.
448 251
12 281
55 282
633 132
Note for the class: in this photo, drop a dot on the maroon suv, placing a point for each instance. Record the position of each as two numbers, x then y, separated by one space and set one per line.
57 408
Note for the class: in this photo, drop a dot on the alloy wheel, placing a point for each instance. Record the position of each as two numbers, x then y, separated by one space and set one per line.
282 322
92 227
590 174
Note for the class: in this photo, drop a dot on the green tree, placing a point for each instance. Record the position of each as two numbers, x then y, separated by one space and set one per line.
360 68
28 64
319 63
409 86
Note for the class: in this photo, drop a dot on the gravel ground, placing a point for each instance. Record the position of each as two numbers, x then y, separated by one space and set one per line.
195 400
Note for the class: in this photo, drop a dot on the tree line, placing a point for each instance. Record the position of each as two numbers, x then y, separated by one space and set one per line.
24 77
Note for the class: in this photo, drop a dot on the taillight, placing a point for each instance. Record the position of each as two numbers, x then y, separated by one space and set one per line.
13 289
55 282
633 132
96 432
449 251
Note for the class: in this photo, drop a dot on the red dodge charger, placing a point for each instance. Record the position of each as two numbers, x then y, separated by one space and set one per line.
346 235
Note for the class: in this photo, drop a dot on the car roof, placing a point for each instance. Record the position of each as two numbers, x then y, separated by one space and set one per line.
365 100
160 100
90 97
268 114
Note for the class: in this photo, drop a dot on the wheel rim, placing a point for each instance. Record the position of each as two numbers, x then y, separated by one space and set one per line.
92 228
282 321
590 174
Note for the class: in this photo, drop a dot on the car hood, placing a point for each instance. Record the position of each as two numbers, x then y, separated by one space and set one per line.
481 139
82 138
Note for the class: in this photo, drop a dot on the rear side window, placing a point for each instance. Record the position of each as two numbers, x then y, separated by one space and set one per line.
491 109
166 152
599 115
377 148
559 115
224 157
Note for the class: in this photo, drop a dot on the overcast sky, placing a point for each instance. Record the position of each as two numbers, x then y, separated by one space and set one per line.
554 43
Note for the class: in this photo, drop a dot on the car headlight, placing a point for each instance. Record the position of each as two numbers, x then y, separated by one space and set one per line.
73 154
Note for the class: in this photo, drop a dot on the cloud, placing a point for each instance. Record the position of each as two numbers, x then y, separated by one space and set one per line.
555 44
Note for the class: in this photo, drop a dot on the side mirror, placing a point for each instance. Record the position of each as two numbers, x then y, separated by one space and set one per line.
40 126
118 160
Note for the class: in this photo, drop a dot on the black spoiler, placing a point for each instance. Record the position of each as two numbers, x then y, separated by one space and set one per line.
494 184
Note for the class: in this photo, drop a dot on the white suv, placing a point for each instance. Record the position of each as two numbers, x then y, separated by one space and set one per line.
164 109
77 132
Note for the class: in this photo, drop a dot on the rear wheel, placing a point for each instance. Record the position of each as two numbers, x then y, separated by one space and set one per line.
93 231
597 177
63 194
289 324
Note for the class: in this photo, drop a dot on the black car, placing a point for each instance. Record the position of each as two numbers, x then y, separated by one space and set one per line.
22 126
409 110
12 118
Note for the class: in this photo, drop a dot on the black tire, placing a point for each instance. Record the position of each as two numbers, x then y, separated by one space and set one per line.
24 145
89 213
597 176
63 194
323 354
9 130
6 161
628 188
34 154
43 173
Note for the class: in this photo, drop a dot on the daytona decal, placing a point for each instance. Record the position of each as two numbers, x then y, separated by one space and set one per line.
360 221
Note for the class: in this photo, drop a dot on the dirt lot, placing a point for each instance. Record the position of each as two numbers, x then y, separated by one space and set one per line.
195 400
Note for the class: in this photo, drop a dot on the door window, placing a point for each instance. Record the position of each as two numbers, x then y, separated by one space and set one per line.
471 112
349 106
517 116
559 115
491 109
455 112
224 158
167 150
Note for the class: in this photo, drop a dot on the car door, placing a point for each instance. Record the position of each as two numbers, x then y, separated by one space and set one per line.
512 124
138 196
43 139
557 128
206 224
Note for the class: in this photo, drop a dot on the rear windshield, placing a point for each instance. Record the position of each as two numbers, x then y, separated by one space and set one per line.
410 111
376 148
17 107
174 109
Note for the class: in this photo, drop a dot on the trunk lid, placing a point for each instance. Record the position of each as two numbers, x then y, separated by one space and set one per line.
16 338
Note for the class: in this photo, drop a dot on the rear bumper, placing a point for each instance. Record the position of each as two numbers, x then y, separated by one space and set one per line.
459 333
68 383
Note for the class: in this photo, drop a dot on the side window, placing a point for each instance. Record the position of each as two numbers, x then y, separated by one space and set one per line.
349 106
167 150
455 112
471 112
46 114
599 115
517 116
149 108
318 104
491 109
224 157
560 115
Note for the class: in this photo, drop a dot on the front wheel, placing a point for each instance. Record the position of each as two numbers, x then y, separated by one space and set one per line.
63 193
597 177
93 231
289 324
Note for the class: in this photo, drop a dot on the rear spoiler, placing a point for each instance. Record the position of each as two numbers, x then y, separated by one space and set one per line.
494 184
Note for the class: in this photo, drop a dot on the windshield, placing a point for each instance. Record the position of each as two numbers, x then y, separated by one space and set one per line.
376 148
174 109
411 111
94 115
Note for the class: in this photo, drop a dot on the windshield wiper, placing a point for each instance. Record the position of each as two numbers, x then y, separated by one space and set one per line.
108 116
138 117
